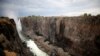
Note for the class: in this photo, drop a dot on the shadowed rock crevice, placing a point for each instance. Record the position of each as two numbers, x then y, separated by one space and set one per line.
62 41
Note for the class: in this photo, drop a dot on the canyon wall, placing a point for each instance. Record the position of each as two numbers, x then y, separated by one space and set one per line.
64 36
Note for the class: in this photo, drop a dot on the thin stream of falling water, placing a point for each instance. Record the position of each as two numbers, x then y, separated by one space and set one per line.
30 43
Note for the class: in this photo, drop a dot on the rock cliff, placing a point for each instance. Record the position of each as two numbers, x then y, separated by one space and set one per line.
64 36
10 42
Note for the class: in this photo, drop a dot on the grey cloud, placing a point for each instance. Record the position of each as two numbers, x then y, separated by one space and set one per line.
47 7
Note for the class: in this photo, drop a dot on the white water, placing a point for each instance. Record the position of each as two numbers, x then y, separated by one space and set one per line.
30 43
35 49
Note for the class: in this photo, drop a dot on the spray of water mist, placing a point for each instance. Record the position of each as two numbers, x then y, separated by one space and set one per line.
30 43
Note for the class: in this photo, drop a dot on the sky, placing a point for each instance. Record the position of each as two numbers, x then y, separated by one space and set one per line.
18 8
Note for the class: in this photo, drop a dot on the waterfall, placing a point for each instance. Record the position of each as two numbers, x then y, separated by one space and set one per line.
30 43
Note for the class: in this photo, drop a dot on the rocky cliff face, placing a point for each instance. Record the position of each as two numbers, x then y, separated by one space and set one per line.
65 36
10 43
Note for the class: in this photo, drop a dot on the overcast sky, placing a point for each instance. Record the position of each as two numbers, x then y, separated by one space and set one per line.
48 7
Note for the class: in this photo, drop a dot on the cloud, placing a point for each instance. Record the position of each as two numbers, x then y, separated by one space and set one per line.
93 11
50 7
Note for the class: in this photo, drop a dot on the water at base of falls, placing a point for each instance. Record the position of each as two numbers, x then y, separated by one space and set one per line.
33 48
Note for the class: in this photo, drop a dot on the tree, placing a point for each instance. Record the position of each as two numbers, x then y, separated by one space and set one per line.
85 14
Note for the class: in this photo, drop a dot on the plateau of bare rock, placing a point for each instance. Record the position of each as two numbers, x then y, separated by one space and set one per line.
64 36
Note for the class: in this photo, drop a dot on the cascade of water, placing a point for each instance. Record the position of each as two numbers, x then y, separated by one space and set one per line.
30 43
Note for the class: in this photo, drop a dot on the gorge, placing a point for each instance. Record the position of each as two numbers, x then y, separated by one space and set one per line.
50 36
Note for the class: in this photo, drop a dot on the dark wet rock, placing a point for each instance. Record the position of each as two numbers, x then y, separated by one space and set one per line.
97 41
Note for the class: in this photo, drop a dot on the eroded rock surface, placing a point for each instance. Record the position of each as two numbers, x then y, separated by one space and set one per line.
64 36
